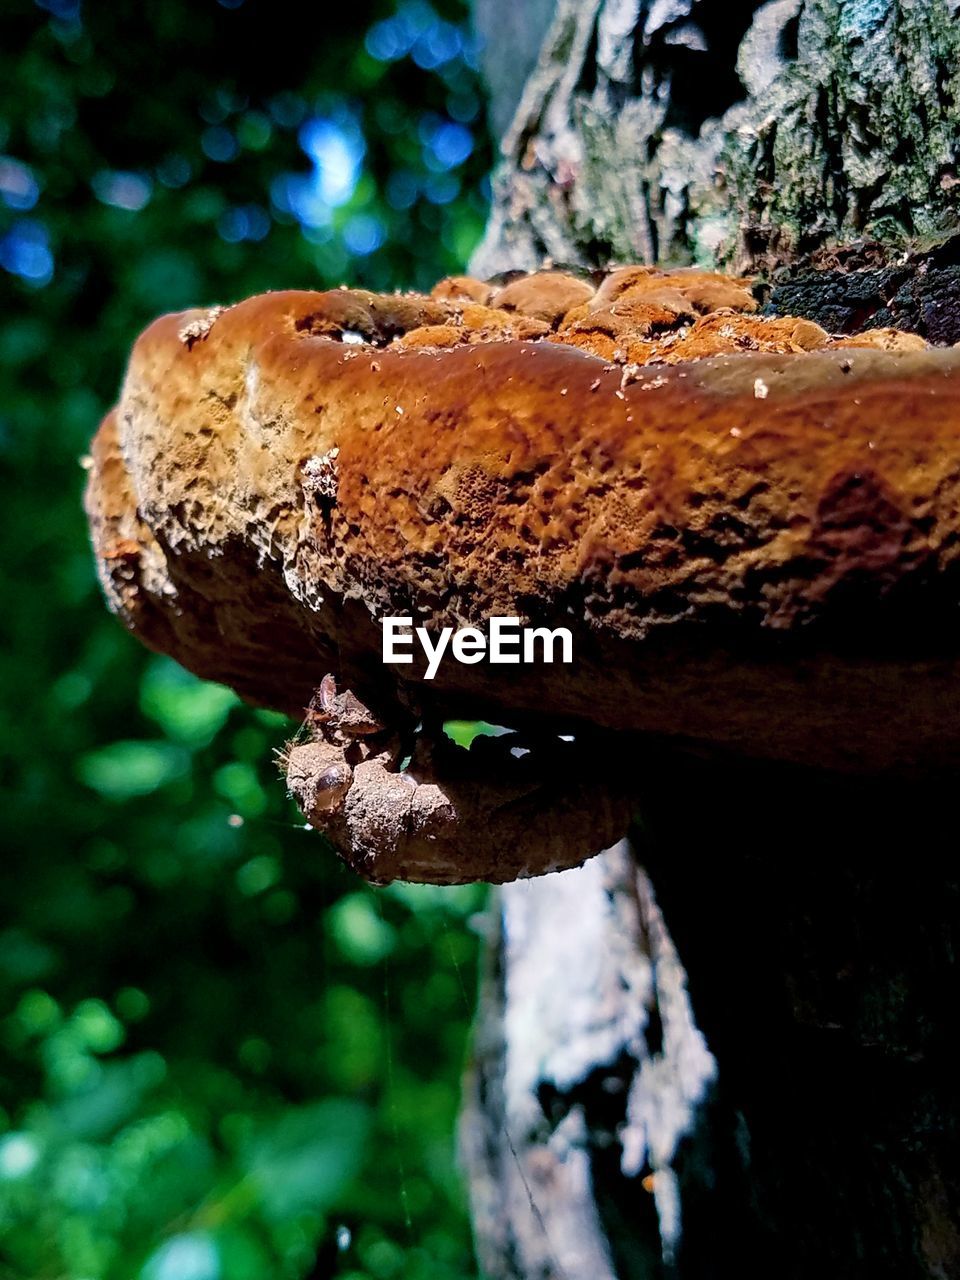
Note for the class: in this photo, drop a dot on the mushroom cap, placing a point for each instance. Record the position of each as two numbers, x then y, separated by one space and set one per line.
750 528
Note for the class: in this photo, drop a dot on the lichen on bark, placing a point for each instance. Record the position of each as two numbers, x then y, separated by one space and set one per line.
749 134
861 132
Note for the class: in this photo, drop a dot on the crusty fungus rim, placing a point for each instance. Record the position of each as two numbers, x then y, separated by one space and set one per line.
750 526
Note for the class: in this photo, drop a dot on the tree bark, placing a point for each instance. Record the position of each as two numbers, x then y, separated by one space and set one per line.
728 130
726 1051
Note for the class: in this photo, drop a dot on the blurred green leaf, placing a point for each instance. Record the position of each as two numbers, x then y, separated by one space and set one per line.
190 1256
304 1160
123 770
240 784
463 732
112 1096
188 710
361 933
19 1154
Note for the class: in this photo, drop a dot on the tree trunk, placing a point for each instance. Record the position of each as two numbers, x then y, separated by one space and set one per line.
725 1050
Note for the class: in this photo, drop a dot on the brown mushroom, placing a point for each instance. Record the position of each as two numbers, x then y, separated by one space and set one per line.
752 543
545 295
462 288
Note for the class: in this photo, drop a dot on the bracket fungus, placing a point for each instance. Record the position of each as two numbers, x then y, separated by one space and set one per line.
749 527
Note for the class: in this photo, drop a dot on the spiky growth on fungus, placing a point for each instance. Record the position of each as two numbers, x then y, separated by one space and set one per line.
749 526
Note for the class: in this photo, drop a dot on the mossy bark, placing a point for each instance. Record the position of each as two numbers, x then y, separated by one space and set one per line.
727 1050
753 134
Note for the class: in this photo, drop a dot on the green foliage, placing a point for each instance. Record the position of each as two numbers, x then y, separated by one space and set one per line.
222 1057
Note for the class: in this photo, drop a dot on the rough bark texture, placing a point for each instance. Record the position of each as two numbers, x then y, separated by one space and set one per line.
756 133
589 1073
784 1102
